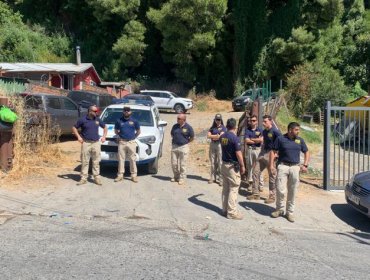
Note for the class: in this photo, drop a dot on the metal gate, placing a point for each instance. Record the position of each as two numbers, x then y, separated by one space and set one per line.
346 144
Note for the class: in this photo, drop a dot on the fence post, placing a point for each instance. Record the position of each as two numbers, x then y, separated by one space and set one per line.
6 144
327 145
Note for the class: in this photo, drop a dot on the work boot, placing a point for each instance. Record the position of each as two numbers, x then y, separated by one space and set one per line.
270 199
181 182
98 181
81 182
253 197
118 178
290 217
277 213
134 179
237 216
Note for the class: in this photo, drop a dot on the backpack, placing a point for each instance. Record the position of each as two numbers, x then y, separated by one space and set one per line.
7 115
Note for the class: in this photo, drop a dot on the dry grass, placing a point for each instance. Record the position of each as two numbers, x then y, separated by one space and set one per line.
33 150
208 103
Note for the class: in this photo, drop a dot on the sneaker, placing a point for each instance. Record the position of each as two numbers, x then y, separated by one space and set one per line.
290 217
118 178
235 217
82 182
134 179
277 213
253 197
181 182
270 200
173 180
98 181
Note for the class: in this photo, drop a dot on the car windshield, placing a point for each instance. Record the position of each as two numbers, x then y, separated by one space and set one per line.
247 93
144 117
174 94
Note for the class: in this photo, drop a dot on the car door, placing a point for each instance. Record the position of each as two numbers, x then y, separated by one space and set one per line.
166 100
156 96
54 108
71 114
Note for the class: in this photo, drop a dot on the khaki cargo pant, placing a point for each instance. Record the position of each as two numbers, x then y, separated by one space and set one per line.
89 150
231 182
215 158
261 164
179 157
127 148
251 156
287 178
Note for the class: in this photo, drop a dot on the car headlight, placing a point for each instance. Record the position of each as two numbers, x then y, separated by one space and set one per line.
147 139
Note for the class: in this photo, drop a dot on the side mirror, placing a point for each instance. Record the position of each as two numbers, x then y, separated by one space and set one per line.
162 123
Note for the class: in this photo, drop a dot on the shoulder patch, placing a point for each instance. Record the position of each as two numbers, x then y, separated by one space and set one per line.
131 122
258 133
269 135
184 130
298 141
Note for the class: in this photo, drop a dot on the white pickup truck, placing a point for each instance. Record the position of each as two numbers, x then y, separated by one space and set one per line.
169 100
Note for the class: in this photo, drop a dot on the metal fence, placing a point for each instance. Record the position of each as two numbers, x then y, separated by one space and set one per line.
346 144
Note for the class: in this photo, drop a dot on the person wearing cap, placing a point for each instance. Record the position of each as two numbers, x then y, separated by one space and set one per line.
182 134
215 152
287 148
127 129
253 140
90 148
231 169
270 133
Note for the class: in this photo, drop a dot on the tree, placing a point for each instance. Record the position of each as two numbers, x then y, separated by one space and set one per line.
189 29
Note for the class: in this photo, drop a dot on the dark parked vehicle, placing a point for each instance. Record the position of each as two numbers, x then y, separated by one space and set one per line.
62 110
87 98
250 95
147 100
357 192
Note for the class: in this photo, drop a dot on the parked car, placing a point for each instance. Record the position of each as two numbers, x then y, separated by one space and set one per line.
149 142
357 192
147 100
86 98
62 110
169 100
247 96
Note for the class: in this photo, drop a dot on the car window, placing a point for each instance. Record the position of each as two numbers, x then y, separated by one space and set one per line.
155 94
247 93
68 105
174 94
105 100
53 103
33 102
165 95
76 96
144 117
90 98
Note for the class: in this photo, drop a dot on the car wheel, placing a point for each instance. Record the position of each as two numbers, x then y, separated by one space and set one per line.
153 166
179 108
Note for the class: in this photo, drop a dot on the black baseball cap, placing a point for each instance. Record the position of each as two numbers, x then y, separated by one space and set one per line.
127 109
218 117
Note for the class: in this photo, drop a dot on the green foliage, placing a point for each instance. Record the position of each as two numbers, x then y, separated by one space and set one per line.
189 30
357 91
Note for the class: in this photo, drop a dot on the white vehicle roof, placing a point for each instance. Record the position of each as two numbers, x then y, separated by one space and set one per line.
132 106
153 90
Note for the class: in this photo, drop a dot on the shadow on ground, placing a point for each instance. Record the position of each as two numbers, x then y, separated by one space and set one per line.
194 199
353 218
259 208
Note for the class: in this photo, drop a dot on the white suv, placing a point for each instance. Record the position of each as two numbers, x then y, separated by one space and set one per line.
149 142
169 100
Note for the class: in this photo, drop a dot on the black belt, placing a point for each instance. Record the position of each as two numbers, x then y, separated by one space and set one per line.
288 163
90 141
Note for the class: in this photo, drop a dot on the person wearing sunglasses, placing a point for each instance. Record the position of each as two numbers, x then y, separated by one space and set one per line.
253 141
90 144
182 134
127 129
215 152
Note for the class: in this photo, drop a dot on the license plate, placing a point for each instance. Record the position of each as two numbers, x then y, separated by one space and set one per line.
354 198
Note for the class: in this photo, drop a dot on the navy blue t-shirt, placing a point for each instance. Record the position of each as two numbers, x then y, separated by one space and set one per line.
181 135
127 128
289 149
269 136
230 144
217 131
89 127
250 133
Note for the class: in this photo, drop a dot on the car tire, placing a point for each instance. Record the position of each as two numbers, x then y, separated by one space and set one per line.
179 108
153 166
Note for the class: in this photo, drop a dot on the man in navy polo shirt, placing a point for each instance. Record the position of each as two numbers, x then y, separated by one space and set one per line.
90 148
288 148
182 134
270 133
127 129
232 161
253 141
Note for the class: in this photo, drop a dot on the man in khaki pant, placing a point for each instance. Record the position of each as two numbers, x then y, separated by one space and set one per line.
127 129
89 139
288 148
232 161
182 134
